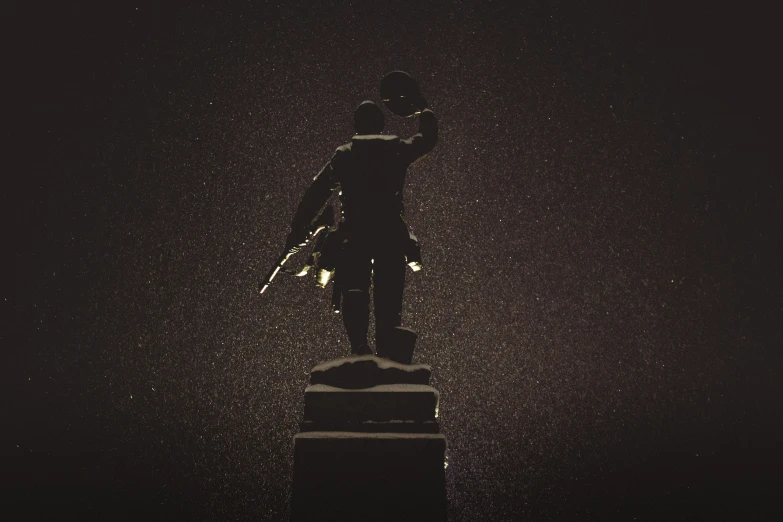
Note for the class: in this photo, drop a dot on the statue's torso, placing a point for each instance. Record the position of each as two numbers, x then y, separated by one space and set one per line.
371 172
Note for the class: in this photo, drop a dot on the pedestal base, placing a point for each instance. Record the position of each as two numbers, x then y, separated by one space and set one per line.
349 476
369 447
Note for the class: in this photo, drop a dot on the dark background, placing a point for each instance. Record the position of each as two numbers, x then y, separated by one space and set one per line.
599 225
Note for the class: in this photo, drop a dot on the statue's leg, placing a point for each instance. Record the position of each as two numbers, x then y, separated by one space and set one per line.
388 285
355 280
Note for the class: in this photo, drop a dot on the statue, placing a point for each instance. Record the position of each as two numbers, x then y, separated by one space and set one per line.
373 242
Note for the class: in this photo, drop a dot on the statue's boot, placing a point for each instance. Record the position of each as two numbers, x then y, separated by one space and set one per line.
356 317
397 344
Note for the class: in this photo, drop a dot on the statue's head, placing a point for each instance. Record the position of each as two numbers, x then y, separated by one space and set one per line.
368 118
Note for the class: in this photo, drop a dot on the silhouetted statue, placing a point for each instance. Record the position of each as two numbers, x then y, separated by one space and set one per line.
372 242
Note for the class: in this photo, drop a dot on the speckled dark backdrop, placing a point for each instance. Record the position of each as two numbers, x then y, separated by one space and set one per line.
598 222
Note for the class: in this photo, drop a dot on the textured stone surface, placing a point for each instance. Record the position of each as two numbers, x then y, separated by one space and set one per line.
369 447
392 426
372 476
385 402
364 371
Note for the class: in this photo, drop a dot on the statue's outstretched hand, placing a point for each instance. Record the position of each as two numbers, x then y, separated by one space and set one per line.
417 105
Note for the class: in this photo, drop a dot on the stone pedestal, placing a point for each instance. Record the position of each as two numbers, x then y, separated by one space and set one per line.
369 446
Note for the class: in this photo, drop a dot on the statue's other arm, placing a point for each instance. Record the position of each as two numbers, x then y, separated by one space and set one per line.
313 202
424 141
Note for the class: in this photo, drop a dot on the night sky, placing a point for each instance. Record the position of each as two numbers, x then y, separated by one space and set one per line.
600 300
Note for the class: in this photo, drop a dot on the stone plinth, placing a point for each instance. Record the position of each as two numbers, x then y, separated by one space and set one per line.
385 402
368 370
371 452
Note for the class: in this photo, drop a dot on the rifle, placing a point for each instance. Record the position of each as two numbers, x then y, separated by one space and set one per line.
281 261
324 221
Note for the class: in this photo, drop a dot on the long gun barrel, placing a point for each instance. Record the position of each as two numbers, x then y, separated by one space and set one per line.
281 261
324 221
